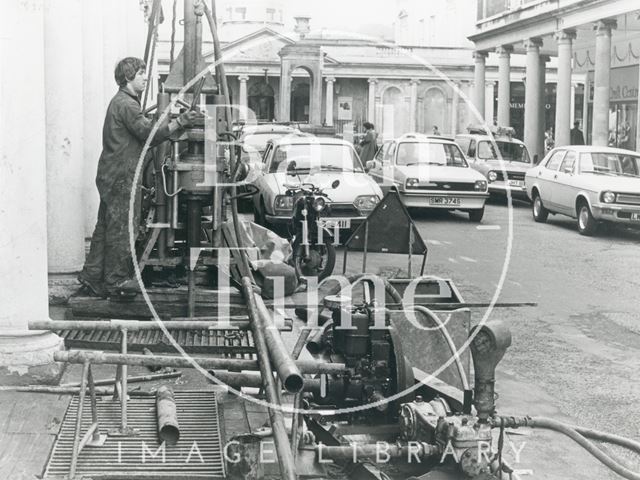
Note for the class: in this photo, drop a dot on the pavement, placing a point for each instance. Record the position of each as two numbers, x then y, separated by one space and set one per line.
574 357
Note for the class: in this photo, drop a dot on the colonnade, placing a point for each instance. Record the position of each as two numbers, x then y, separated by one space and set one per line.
535 82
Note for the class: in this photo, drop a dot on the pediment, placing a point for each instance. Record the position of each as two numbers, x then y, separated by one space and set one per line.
262 46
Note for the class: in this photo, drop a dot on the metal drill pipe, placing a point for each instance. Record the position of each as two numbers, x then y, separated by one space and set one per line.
69 390
280 437
254 380
288 373
161 198
138 379
168 427
135 325
233 364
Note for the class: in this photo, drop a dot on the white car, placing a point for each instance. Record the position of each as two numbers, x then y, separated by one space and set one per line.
318 160
432 172
592 184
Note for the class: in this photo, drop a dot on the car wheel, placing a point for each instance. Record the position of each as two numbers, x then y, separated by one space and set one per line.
540 214
476 215
587 225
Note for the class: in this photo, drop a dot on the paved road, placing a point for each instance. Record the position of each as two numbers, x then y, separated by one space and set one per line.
576 356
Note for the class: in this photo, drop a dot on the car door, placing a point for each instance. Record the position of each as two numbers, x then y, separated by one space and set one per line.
546 174
566 184
376 170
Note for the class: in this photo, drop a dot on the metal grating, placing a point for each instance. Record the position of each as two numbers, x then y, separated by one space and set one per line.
198 453
192 341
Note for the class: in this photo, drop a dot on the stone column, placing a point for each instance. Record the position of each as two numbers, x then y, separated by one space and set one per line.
455 100
413 105
564 89
504 85
572 107
285 92
479 84
315 99
532 121
93 106
25 356
243 100
63 109
328 114
601 81
489 113
542 104
371 110
585 109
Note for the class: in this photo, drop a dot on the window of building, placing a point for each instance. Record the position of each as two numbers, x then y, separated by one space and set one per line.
241 13
229 13
271 14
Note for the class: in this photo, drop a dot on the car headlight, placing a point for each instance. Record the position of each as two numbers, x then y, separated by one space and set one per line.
608 197
480 186
366 203
319 204
492 176
283 203
412 182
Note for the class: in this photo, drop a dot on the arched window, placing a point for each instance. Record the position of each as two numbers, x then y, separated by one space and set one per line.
435 105
395 114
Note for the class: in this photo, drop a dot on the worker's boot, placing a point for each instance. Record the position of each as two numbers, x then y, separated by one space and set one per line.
125 289
92 288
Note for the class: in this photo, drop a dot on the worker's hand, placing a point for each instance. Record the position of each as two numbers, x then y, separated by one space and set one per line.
187 119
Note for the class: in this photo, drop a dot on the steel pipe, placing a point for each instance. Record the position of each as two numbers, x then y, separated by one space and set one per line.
233 364
168 427
136 325
238 380
137 379
276 418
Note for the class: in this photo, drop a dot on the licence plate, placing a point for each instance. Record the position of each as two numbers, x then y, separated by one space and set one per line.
516 183
333 222
444 201
635 216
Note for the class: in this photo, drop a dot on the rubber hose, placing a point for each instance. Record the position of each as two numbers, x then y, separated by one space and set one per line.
452 346
607 459
609 438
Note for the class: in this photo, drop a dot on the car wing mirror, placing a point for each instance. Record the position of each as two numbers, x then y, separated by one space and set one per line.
292 168
370 164
568 170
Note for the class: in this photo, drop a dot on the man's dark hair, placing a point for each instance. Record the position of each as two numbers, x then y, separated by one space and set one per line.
127 68
576 124
368 125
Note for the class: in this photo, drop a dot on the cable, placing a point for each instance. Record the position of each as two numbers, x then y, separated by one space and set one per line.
173 35
164 184
579 435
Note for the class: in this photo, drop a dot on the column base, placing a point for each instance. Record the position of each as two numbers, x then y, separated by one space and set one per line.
26 358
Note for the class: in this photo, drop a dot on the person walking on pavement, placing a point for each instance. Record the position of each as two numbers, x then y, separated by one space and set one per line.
108 266
368 145
576 136
436 131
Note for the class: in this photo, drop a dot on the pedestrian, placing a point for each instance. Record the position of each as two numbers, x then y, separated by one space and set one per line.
576 136
108 266
368 144
549 142
435 130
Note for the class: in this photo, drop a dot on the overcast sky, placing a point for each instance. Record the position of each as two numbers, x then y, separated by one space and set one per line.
344 14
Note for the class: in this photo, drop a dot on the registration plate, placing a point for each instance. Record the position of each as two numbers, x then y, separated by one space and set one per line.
444 201
332 223
635 216
516 183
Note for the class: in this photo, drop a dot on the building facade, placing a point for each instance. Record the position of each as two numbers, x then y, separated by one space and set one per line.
344 79
596 45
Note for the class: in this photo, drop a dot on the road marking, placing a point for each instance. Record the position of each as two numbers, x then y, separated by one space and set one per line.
434 242
467 259
488 227
453 260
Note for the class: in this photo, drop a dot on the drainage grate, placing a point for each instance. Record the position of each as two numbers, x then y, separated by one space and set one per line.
192 341
198 453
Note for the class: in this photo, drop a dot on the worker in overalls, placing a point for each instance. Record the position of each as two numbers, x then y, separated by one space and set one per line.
108 267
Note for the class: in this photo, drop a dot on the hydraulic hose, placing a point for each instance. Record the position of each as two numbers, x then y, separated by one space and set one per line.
580 435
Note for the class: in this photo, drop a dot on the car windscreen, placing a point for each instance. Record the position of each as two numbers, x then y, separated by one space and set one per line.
327 157
430 153
605 163
507 151
258 141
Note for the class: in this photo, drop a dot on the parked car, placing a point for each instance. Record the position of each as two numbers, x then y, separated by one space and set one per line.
252 140
430 171
295 159
592 184
502 159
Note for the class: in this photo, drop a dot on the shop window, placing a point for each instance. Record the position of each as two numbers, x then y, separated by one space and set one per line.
271 14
